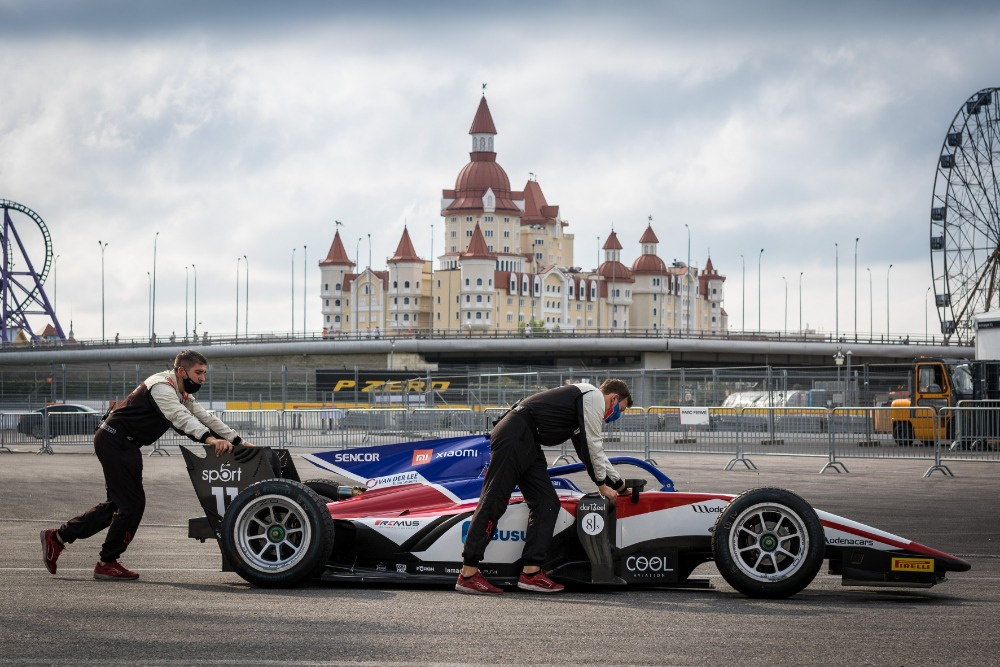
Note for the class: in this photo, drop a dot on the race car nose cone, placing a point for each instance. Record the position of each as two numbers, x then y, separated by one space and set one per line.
276 534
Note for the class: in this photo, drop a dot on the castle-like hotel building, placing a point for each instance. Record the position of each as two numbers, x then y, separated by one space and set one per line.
507 266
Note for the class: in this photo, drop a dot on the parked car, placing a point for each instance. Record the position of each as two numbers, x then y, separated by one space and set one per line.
63 419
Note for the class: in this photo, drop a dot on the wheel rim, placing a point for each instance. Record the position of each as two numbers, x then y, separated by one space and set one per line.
272 533
769 542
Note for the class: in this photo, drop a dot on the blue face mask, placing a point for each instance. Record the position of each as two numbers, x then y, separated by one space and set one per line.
613 413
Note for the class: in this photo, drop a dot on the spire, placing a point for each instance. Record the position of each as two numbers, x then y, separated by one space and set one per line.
612 243
337 255
483 122
405 251
648 236
477 246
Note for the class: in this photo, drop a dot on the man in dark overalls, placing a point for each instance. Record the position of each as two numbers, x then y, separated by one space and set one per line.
574 412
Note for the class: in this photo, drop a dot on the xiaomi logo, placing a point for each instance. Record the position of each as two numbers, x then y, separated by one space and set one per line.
422 456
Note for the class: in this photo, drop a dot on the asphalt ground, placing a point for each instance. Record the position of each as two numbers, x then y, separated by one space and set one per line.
185 611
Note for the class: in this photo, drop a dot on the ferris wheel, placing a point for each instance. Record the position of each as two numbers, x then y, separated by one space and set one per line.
965 225
27 260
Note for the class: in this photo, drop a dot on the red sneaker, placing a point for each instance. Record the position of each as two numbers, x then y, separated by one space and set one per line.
538 582
476 585
51 548
114 570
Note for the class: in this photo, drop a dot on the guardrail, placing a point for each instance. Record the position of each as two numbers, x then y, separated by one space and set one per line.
969 432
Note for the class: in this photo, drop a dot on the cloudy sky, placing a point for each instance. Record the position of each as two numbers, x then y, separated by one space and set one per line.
247 128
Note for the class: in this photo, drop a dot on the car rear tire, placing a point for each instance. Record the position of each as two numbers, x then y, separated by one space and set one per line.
277 533
768 543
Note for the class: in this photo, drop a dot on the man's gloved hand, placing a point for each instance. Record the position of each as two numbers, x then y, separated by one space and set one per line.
608 493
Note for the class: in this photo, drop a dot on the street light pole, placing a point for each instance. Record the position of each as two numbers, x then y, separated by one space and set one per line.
856 239
246 297
926 327
186 281
430 321
103 246
237 334
293 293
152 326
887 302
687 285
743 304
371 285
55 277
760 255
786 304
801 332
597 276
305 263
836 291
149 305
871 306
194 270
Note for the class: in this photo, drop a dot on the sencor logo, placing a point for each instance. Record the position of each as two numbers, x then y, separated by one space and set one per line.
912 564
355 457
422 456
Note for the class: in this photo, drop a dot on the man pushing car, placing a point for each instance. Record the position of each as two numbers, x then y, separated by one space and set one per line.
164 400
574 412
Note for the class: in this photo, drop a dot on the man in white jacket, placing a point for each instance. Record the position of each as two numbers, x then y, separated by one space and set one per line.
164 400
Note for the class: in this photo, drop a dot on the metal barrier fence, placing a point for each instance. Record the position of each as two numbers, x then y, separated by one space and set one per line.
969 432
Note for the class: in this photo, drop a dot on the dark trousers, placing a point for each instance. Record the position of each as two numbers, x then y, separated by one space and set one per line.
515 461
122 511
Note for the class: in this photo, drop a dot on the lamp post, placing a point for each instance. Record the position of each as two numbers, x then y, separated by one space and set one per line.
246 297
194 270
55 277
152 325
597 276
237 334
371 291
186 302
871 306
293 293
103 246
856 239
887 302
743 304
430 321
149 305
836 290
786 304
801 332
357 284
760 255
305 263
687 285
926 328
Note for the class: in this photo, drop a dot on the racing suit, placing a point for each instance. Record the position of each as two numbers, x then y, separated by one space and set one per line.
573 412
139 420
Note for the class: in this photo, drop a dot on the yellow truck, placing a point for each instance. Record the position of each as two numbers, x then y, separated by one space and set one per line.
937 383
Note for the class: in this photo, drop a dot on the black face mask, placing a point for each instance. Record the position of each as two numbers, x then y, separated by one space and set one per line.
190 386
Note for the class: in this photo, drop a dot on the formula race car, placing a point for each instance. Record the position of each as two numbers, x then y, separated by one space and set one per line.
405 518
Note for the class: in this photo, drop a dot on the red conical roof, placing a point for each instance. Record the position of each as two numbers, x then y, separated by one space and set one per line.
648 236
483 122
405 251
477 246
612 243
337 255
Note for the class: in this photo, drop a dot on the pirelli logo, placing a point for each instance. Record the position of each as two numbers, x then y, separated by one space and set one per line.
912 564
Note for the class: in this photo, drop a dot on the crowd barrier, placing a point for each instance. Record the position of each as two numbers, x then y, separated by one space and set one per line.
969 432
